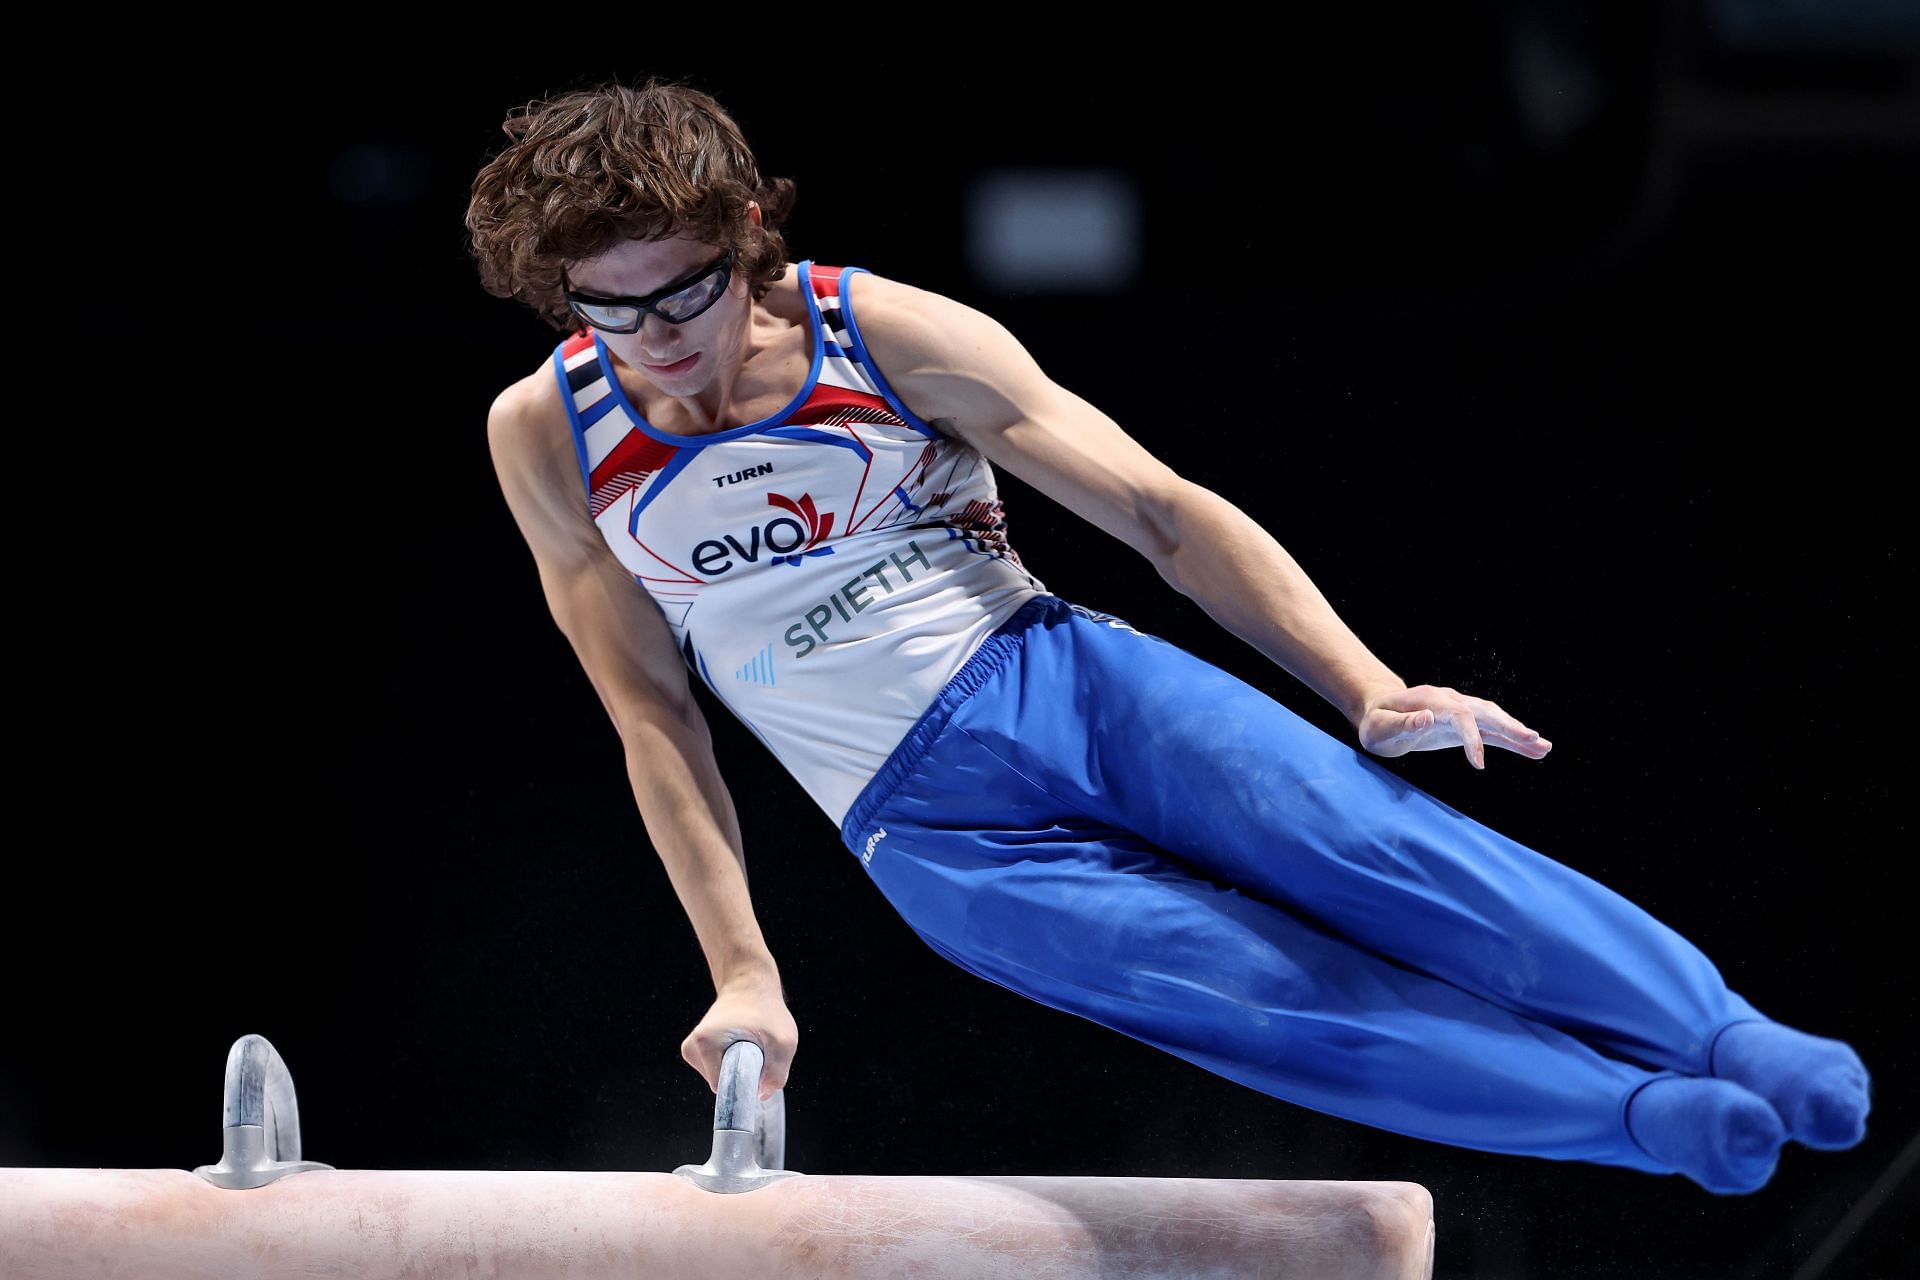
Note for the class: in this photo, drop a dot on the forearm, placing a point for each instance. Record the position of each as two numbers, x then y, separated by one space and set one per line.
1231 567
690 819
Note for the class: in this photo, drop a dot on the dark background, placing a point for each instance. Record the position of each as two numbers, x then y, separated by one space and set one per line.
1568 349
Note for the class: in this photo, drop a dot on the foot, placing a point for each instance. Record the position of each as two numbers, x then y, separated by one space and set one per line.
1819 1087
1726 1139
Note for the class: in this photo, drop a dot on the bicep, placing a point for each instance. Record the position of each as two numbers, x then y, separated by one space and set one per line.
965 371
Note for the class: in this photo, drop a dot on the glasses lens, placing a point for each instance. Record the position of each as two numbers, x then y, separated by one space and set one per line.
695 298
603 316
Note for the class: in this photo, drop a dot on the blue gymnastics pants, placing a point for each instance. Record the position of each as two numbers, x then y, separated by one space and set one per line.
1095 818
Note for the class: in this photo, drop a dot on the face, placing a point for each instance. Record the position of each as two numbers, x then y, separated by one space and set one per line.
715 337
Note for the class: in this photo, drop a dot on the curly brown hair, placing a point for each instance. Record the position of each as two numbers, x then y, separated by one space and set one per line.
590 168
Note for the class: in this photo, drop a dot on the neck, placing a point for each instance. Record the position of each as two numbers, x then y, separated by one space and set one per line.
708 407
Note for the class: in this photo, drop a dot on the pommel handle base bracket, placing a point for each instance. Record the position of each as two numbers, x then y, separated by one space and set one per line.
749 1137
259 1118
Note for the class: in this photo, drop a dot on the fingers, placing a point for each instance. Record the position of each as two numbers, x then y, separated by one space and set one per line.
1472 722
1526 744
1503 730
695 1061
1470 737
774 1077
1394 733
700 1053
706 1057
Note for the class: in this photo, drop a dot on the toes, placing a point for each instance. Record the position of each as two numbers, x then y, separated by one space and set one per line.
1833 1119
1755 1131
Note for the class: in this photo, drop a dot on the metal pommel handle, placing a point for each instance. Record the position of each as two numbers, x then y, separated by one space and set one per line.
259 1119
749 1136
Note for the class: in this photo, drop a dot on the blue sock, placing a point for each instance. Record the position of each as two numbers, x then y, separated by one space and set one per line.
1818 1086
1715 1132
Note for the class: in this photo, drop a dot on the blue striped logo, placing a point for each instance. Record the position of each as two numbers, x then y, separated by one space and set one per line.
760 670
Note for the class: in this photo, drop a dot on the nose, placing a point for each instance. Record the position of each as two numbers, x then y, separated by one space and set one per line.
656 335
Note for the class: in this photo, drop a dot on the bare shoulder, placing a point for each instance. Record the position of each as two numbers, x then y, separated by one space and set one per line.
883 304
528 418
535 397
961 370
916 327
538 465
924 342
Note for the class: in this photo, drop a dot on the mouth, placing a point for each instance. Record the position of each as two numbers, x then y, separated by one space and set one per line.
678 366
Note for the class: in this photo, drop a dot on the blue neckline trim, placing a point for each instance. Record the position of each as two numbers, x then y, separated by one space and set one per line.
861 354
805 267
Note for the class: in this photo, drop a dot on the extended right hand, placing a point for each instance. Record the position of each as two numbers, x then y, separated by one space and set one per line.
749 1010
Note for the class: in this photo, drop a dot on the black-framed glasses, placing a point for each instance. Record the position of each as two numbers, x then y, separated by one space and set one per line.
678 303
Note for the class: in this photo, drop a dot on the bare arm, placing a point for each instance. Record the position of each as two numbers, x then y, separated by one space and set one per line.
624 645
963 371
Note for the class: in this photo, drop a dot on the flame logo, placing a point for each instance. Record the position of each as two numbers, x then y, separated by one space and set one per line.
818 529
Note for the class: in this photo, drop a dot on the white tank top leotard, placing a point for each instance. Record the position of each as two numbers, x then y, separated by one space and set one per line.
826 570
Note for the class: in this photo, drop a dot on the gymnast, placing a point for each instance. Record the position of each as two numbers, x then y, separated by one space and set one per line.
779 477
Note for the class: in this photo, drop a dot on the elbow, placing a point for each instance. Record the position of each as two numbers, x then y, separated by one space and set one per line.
644 725
1169 527
641 711
676 720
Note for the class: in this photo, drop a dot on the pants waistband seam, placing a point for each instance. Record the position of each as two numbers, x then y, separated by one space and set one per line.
989 658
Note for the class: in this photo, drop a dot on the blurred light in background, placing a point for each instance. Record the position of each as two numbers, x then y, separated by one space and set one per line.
1045 230
1816 25
1554 82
